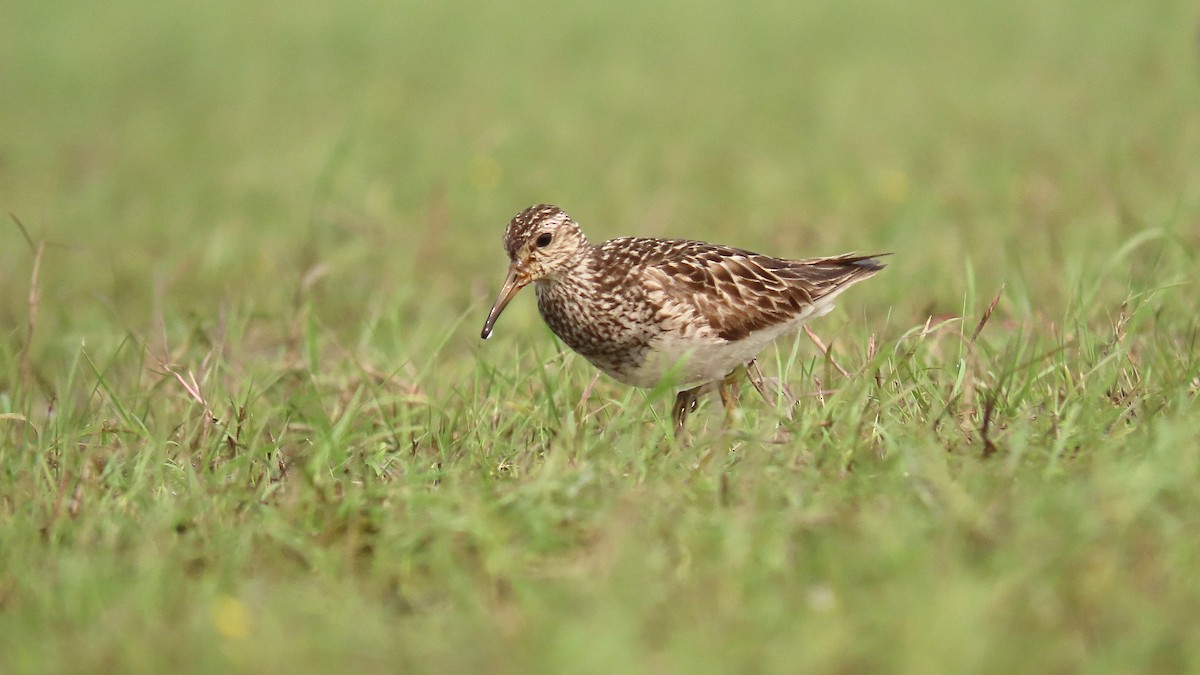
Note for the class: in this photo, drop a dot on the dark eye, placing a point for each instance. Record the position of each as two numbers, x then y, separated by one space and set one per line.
543 240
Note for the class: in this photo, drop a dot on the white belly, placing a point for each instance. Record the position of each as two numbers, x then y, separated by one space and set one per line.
690 362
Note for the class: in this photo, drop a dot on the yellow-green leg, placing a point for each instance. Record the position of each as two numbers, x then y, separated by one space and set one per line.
727 387
728 390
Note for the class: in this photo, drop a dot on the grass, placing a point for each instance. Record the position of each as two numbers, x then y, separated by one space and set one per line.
246 422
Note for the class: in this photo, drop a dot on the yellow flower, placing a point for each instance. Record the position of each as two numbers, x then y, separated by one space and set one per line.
231 618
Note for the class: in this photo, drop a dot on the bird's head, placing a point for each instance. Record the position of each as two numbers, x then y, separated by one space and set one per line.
542 242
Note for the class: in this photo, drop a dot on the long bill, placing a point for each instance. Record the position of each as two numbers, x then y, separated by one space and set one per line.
514 282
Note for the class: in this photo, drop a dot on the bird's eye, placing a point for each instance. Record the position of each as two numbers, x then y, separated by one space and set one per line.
543 240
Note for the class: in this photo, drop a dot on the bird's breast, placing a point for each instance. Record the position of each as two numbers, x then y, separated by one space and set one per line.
609 328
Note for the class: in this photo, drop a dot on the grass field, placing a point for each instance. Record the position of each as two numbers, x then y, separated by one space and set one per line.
247 423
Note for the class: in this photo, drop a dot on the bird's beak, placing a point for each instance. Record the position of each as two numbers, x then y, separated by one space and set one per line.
515 281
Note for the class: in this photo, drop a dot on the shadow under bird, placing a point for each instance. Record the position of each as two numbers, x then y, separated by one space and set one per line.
641 309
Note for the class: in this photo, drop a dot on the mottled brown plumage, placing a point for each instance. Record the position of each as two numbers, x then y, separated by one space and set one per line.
643 309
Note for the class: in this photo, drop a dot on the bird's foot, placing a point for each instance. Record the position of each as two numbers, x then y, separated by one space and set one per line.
685 402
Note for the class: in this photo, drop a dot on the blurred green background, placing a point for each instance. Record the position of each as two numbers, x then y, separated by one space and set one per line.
319 188
220 147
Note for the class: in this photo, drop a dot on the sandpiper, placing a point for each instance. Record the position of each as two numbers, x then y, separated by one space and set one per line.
642 309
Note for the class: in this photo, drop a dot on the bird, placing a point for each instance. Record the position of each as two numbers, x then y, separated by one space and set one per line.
643 309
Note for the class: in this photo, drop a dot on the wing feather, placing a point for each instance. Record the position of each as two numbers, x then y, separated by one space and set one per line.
738 292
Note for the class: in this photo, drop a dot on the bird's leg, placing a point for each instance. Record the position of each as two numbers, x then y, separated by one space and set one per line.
685 402
728 390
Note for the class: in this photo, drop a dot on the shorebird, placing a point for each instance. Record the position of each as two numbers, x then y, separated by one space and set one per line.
642 309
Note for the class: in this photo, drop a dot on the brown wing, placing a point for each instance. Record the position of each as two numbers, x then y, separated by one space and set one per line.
738 292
